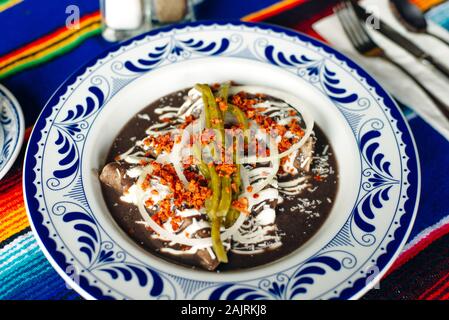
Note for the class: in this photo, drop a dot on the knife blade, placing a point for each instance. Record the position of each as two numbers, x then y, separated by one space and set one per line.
401 40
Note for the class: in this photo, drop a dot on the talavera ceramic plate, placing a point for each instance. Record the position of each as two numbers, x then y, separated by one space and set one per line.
12 128
378 164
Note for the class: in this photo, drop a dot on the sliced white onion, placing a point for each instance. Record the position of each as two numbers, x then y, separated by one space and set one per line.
195 127
126 153
148 169
163 158
175 159
234 228
194 100
175 155
259 186
295 103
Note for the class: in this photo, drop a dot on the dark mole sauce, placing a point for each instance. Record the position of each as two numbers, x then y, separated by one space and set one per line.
296 227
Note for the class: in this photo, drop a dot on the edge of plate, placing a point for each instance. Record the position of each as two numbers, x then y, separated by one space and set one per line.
36 234
18 146
375 280
397 114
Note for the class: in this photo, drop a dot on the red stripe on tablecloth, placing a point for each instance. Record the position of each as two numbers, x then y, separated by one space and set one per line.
8 182
406 256
44 39
438 288
445 296
268 12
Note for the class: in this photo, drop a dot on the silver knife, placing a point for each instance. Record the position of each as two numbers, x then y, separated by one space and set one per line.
402 41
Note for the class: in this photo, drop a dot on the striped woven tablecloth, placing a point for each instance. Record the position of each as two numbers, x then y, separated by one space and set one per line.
37 52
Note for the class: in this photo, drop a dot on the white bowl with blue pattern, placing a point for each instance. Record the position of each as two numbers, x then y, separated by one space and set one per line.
12 128
378 164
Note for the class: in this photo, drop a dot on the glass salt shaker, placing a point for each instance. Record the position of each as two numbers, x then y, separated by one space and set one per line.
123 19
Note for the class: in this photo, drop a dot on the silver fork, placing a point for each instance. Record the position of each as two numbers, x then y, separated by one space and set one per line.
365 45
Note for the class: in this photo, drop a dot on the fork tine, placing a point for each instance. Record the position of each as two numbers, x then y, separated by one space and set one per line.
355 29
353 25
359 25
339 10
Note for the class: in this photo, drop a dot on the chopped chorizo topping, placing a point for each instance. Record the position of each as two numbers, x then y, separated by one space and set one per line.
188 120
194 196
226 170
241 205
222 105
265 122
160 143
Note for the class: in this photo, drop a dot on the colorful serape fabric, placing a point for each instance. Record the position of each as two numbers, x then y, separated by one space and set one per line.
37 53
5 4
50 46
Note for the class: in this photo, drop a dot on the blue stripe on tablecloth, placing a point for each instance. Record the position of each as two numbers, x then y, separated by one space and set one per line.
433 150
29 20
13 248
440 15
13 237
26 274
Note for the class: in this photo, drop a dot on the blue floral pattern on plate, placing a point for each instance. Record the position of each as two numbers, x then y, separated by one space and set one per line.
11 130
90 257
